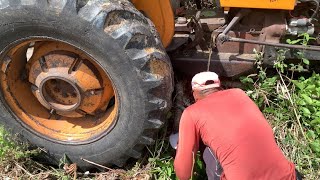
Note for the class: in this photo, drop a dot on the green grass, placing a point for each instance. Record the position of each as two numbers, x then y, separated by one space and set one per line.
11 154
296 129
292 107
10 149
161 158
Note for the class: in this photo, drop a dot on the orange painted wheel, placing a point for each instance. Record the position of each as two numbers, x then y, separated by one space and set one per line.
83 79
59 91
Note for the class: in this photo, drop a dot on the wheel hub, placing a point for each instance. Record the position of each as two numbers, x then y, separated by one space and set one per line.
60 94
59 91
64 84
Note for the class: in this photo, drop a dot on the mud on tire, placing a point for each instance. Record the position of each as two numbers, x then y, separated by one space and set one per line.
123 43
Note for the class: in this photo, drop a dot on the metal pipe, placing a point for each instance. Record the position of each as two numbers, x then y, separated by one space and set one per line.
316 2
235 20
317 9
289 46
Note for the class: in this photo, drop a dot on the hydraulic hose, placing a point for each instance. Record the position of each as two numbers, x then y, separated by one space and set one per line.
317 8
316 2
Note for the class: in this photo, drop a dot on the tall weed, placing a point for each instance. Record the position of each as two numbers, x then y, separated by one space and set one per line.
292 106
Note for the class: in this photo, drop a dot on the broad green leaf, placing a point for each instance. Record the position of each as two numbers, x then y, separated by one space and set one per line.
311 134
311 87
248 80
289 41
315 146
305 61
169 171
307 37
300 85
306 111
307 98
300 68
315 121
301 102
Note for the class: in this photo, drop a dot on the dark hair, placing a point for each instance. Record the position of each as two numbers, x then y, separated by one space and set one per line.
205 91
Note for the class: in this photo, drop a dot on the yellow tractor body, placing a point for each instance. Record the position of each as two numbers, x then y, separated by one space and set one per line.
160 12
262 4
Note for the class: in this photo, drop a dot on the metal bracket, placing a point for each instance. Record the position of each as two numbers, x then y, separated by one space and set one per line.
199 34
242 13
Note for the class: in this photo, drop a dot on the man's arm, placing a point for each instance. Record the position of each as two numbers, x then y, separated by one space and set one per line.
187 147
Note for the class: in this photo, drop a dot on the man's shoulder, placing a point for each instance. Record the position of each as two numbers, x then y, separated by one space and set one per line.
190 108
237 92
234 91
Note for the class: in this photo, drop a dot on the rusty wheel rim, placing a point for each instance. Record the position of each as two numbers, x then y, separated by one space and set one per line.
58 91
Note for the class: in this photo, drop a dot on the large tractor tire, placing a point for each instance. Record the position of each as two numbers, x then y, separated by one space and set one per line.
85 79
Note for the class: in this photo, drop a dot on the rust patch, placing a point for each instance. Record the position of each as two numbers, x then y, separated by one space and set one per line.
58 125
5 64
160 68
156 65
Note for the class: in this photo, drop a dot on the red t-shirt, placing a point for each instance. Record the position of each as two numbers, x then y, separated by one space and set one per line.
231 124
